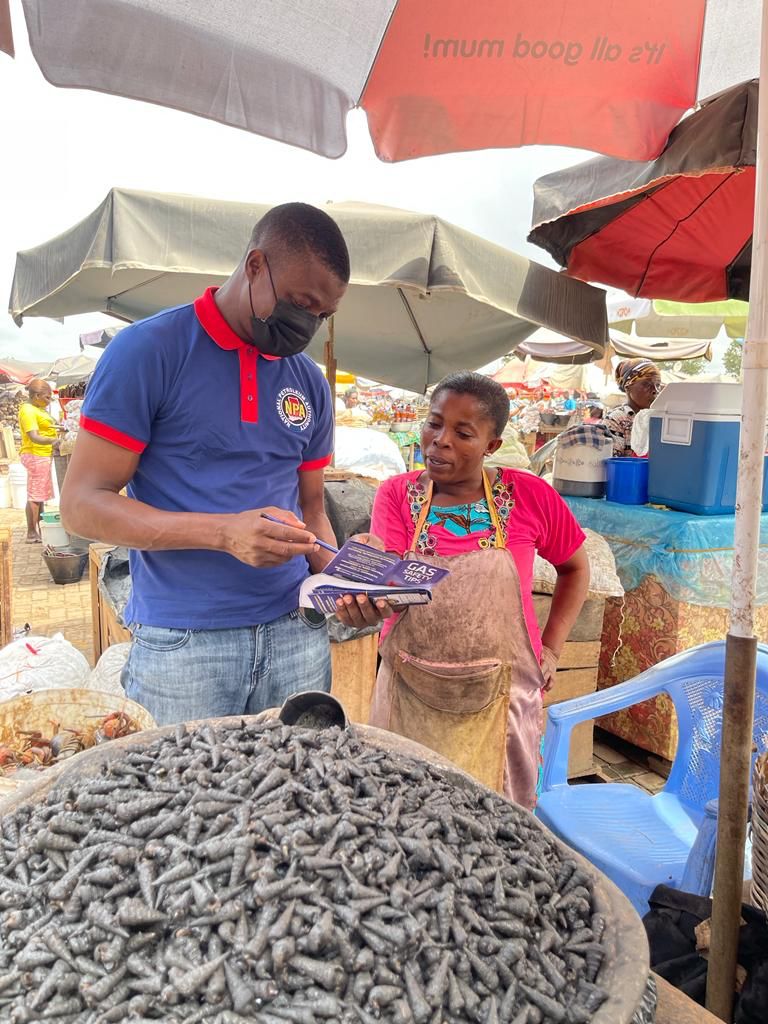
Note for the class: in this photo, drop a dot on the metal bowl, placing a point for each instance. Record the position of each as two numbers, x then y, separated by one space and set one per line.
625 972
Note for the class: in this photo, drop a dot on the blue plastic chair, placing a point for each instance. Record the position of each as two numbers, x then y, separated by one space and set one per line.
640 841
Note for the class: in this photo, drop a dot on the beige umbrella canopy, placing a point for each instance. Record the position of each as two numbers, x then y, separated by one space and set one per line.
547 346
425 297
432 77
661 318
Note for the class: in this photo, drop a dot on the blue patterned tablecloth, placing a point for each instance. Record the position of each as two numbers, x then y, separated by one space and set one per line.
692 556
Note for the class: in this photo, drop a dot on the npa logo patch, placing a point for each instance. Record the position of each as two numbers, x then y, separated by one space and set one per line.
294 409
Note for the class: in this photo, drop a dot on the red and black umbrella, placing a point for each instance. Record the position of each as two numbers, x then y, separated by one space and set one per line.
433 76
679 227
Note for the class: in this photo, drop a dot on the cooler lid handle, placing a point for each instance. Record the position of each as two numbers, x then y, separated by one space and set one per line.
677 428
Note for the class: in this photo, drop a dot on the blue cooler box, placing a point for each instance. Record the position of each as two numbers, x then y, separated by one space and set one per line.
693 453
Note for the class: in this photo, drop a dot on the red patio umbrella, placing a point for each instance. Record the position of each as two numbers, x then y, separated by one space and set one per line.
433 76
677 228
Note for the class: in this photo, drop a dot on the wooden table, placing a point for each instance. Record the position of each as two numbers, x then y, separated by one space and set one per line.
676 1008
676 570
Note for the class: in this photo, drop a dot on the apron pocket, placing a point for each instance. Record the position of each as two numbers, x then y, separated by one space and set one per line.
462 688
459 711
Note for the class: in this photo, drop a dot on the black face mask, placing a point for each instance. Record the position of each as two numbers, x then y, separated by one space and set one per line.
286 331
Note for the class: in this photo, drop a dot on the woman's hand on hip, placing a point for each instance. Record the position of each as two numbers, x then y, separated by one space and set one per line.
548 661
357 611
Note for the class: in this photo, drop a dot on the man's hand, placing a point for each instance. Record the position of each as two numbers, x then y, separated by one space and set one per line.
257 541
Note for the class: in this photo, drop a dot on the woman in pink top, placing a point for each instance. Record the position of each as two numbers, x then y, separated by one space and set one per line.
464 674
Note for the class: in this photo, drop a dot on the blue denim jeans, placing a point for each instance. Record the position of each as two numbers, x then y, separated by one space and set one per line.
182 674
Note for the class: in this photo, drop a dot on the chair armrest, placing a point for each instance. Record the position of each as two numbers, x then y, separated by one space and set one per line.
561 719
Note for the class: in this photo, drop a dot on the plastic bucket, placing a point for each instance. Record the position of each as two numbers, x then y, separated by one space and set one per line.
66 566
79 544
17 478
5 491
52 532
626 481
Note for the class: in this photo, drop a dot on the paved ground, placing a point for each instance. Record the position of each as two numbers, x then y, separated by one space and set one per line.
37 600
616 761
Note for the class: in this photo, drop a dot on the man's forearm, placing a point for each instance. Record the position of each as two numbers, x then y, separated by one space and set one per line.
116 519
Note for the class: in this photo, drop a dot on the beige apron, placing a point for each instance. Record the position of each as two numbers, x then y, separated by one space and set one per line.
459 675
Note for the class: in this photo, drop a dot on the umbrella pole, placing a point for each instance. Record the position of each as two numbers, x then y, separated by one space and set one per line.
330 368
741 644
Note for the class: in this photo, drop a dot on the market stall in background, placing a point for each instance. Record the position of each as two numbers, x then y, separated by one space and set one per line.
68 378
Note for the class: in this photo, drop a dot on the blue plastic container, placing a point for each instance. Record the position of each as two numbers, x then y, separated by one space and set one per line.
694 448
626 481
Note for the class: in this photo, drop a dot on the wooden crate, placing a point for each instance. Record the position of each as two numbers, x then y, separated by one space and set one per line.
106 629
354 675
6 587
577 674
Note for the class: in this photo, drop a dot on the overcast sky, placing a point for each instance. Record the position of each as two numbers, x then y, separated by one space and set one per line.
64 149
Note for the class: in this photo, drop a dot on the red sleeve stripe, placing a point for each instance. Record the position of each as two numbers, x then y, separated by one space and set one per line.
108 433
307 467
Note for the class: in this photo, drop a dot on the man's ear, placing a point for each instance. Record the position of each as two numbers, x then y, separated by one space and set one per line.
255 263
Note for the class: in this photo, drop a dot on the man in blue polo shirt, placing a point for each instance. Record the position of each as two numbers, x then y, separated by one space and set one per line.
210 415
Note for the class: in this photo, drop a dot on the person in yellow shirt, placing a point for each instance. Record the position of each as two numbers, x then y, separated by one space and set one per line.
38 439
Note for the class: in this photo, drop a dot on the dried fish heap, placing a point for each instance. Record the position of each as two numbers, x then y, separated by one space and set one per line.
268 873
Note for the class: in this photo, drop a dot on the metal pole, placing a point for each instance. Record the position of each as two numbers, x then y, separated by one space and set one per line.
741 646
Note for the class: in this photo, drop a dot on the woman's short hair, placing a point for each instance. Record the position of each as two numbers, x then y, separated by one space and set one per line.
489 394
36 386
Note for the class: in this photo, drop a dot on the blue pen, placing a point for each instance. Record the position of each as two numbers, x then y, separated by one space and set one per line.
280 522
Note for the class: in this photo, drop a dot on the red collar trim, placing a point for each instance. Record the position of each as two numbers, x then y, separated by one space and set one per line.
216 327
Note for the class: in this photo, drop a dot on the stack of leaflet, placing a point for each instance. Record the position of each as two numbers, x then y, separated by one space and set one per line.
361 569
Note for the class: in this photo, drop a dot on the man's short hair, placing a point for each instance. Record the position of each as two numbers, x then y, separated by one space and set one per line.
301 229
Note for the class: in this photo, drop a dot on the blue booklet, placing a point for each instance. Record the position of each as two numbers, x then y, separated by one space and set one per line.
361 569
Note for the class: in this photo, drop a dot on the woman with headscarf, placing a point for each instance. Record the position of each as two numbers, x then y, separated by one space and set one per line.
38 438
640 380
464 674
